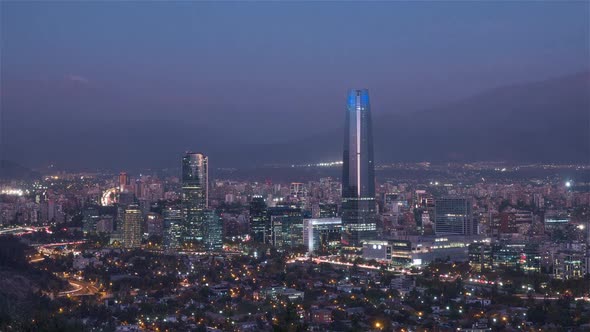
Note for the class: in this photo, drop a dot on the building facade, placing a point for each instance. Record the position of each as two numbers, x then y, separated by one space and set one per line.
258 219
172 228
90 217
195 184
321 234
132 220
453 216
285 226
420 250
213 234
358 173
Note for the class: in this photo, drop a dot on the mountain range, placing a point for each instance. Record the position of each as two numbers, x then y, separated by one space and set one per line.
547 121
12 170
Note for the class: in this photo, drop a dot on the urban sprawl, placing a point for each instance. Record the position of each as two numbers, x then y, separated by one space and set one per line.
462 247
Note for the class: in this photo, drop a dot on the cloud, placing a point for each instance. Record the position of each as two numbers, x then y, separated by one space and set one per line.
77 79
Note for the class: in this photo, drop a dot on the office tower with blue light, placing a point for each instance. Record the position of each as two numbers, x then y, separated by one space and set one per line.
195 182
358 173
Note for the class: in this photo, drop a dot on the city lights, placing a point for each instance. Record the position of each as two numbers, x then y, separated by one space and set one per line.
305 166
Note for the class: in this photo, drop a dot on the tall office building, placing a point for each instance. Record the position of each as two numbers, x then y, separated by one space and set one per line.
153 224
195 183
322 233
284 226
358 173
123 182
452 215
90 217
173 230
132 220
328 210
259 226
297 189
213 231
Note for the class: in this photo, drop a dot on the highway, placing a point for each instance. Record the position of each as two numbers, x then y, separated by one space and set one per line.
80 288
318 260
22 230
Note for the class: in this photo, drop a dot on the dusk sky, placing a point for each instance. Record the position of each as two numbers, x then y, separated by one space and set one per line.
77 79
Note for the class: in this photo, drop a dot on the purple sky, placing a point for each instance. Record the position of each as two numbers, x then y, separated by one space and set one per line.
90 75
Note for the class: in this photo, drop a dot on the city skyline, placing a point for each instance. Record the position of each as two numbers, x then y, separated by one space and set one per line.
295 166
425 63
572 124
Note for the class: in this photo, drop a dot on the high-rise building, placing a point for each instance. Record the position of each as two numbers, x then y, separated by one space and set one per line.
154 224
297 189
480 256
105 224
328 210
452 215
132 220
126 198
90 217
358 173
322 233
213 234
195 183
258 219
286 226
123 182
173 230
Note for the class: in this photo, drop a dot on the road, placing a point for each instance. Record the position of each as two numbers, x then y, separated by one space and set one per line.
58 244
22 230
37 258
318 260
80 288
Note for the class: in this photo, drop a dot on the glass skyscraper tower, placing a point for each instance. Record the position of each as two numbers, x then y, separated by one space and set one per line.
195 183
452 215
173 228
358 172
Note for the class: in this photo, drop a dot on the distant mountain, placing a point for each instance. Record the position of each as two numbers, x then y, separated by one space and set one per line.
546 121
529 122
14 171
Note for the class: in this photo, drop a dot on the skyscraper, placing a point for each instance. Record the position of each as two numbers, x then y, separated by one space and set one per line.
452 215
259 225
173 230
195 183
328 210
90 217
285 228
322 233
358 172
132 220
123 182
213 231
